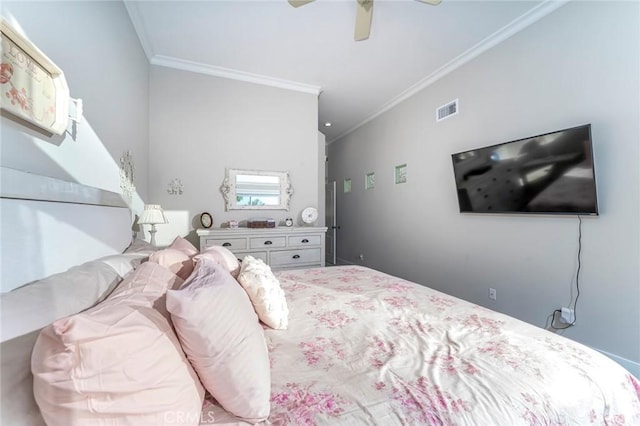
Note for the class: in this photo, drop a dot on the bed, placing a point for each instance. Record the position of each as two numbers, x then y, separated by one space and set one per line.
343 345
364 347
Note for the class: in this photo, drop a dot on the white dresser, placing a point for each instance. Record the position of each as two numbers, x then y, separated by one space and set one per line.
280 248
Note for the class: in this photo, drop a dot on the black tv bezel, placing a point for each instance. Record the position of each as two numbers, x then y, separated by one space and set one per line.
535 213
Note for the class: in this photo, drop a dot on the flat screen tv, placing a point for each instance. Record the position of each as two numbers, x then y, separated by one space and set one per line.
551 173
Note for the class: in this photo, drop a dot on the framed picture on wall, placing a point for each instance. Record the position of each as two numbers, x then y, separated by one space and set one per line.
33 87
370 181
401 174
347 185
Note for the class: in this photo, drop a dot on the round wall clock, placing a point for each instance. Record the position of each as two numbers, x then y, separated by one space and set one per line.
206 220
309 215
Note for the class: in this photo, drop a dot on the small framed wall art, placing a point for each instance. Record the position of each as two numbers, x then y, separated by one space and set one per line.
370 181
347 185
33 87
401 173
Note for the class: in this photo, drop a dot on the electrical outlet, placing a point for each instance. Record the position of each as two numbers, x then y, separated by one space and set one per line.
361 256
567 315
493 294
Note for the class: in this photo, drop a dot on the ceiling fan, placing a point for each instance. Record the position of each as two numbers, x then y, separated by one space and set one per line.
363 17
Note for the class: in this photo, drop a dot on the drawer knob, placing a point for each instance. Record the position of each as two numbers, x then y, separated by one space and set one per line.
268 243
305 241
296 256
226 245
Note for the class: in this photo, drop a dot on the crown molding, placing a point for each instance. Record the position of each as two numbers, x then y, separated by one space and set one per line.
139 28
182 64
513 27
185 65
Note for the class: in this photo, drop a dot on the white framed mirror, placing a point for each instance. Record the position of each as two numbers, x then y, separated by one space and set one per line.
256 190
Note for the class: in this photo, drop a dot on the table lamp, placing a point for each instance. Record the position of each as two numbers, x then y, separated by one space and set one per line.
152 215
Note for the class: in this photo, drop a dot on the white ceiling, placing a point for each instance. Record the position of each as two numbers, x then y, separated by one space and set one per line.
311 48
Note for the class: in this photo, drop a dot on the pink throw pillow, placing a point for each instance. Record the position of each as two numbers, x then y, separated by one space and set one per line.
223 256
115 363
146 286
184 246
220 333
175 260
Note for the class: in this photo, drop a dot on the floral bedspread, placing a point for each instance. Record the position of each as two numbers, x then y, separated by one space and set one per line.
364 347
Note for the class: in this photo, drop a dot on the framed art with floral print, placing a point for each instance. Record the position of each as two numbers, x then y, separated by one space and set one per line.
32 87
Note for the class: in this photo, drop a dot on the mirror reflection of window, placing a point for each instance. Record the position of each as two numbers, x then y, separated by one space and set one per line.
255 190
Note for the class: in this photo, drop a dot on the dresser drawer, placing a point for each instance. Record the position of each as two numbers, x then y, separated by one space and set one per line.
267 242
256 254
304 240
230 243
280 248
290 258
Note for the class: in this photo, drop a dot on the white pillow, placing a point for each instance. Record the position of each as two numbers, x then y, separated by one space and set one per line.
221 335
265 292
37 304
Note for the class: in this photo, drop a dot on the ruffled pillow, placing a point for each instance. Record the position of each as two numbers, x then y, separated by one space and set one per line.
265 292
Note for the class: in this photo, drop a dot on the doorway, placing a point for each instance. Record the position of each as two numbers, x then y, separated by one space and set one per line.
332 227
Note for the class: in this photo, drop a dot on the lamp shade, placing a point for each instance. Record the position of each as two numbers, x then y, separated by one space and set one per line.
152 214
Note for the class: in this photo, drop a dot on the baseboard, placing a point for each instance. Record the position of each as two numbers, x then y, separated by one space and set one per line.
631 366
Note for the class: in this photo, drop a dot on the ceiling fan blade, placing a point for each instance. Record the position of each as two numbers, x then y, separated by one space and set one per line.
363 19
431 2
298 3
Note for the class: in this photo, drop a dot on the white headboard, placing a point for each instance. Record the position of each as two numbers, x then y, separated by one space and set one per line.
49 225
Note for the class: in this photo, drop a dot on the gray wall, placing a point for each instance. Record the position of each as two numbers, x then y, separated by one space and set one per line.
202 124
578 65
95 45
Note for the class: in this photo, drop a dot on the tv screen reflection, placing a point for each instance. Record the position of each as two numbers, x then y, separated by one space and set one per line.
551 173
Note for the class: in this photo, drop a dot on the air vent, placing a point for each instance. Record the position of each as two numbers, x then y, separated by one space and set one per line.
447 110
